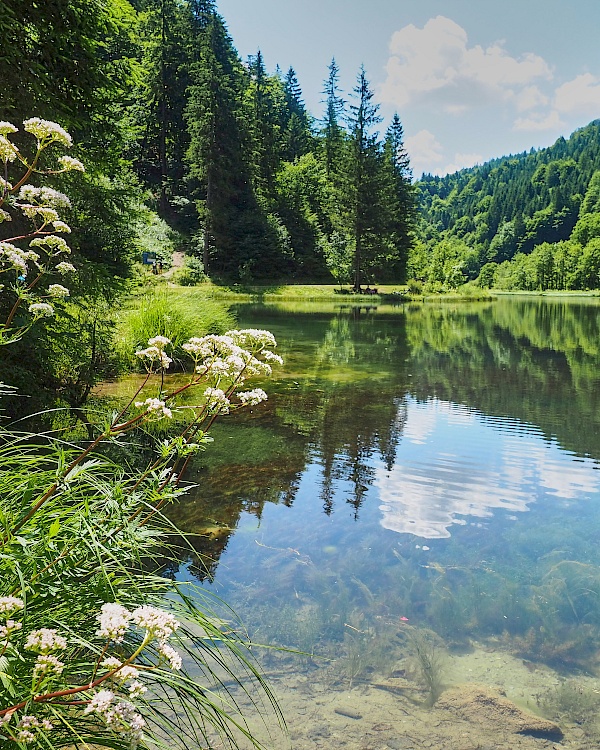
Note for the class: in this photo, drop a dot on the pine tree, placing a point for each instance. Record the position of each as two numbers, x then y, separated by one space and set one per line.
216 154
333 133
363 173
297 136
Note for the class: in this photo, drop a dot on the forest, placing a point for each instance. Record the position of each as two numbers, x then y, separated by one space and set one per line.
530 221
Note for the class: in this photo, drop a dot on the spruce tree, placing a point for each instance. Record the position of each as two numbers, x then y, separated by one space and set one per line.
363 188
333 133
216 154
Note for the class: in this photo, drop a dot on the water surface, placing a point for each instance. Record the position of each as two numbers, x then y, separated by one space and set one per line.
419 472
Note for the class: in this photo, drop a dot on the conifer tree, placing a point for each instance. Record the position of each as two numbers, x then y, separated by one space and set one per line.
333 133
216 155
362 172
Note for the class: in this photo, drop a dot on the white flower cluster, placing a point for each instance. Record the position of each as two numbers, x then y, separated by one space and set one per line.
159 625
41 310
217 401
51 243
45 640
8 152
69 164
57 290
47 132
64 268
253 338
27 728
44 196
251 398
9 605
155 353
46 664
9 627
125 673
234 355
155 408
119 716
17 258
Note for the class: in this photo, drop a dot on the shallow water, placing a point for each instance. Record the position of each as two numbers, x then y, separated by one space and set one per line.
422 479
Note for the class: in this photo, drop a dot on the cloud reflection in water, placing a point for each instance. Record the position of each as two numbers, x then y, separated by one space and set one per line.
454 463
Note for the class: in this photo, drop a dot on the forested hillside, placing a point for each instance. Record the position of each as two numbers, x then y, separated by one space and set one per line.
187 146
529 221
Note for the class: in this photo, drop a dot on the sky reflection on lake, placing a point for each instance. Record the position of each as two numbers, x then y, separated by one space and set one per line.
455 465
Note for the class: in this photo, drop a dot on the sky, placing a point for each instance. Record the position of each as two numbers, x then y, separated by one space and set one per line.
471 80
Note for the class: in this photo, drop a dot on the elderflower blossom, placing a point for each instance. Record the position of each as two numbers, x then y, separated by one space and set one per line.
41 310
64 268
252 398
7 127
155 407
171 655
217 400
61 226
57 290
45 640
120 717
4 216
10 604
45 130
114 620
47 664
9 628
68 163
158 623
154 354
124 673
8 152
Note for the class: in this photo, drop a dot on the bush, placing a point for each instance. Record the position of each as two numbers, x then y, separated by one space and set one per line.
192 272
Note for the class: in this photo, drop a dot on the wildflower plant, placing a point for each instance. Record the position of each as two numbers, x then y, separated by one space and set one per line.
37 252
97 650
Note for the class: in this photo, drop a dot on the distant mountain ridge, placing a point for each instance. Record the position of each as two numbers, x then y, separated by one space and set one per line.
512 204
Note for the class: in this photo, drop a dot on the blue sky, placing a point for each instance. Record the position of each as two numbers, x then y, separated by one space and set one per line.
470 79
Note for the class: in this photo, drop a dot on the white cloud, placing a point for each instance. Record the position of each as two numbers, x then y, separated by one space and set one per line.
436 65
462 161
531 97
424 150
539 121
580 96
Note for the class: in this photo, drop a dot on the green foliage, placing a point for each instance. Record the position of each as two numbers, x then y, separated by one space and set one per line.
192 272
175 316
521 209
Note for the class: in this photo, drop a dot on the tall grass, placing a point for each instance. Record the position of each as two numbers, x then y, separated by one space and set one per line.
165 312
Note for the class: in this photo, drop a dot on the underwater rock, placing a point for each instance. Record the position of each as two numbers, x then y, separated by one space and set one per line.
478 703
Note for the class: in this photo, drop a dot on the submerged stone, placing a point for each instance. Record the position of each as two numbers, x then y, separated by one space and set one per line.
478 703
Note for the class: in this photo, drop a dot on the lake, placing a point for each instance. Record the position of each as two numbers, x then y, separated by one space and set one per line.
415 508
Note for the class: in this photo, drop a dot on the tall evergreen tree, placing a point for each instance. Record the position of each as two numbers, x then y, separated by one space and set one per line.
363 173
216 154
333 132
297 136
